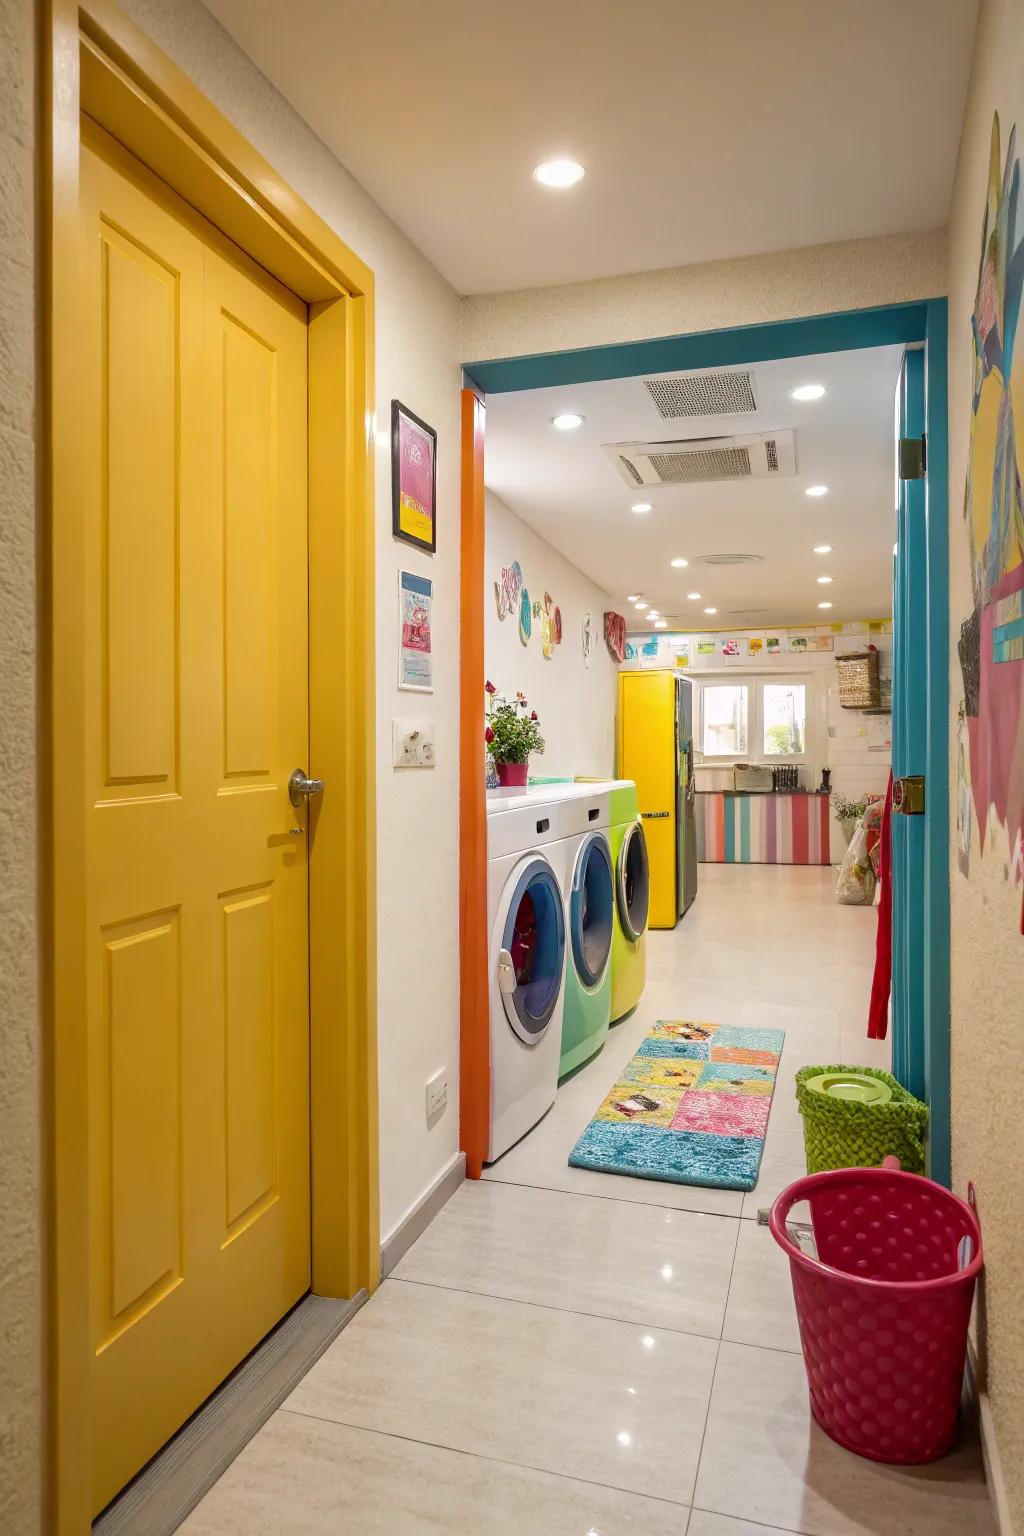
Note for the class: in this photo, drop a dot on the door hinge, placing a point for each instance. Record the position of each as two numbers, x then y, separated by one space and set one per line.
913 457
908 795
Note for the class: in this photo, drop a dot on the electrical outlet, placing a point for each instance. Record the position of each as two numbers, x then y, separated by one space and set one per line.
413 743
437 1094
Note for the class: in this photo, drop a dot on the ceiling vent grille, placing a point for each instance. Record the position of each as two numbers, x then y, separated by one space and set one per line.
702 461
728 559
704 394
707 464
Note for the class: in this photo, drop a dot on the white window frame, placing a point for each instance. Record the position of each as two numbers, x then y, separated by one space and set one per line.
755 682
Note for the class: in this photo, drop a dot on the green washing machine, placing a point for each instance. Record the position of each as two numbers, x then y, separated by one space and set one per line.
590 919
632 897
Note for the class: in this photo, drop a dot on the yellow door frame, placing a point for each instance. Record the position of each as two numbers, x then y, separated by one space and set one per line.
99 64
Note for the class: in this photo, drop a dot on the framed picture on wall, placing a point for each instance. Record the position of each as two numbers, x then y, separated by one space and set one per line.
413 478
415 654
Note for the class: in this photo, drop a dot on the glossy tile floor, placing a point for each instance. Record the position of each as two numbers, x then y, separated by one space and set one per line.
570 1353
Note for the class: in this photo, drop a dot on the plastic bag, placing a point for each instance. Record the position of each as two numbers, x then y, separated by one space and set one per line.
856 887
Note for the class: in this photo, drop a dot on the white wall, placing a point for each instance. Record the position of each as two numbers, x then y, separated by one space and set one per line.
748 290
576 704
987 947
418 811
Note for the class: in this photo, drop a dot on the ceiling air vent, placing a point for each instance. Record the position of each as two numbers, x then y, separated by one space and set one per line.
701 461
704 394
727 559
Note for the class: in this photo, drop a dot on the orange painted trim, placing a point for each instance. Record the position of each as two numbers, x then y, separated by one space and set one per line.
475 1048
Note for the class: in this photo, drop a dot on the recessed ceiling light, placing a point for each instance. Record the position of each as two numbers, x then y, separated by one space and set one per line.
680 563
816 490
641 506
823 549
559 173
824 581
661 624
710 610
824 605
694 597
807 392
568 421
641 605
632 597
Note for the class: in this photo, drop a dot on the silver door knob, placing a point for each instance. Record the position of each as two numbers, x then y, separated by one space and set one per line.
300 787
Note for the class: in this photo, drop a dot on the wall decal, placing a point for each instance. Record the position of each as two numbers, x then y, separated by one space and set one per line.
990 776
508 588
525 617
615 635
588 637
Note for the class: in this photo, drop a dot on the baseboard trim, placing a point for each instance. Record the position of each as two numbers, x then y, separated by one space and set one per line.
397 1244
989 1448
170 1486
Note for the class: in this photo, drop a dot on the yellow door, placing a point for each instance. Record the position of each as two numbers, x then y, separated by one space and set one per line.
193 370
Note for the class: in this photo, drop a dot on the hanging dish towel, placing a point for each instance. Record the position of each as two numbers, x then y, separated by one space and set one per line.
881 986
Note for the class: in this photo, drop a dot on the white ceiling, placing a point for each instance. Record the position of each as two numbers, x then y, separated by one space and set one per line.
708 128
564 486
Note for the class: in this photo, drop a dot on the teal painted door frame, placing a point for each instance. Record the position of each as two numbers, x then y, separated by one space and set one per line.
921 610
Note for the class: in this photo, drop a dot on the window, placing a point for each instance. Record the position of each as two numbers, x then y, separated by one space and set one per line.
784 719
756 719
724 716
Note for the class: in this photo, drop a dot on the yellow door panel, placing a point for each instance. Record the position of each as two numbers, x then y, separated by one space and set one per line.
647 755
196 671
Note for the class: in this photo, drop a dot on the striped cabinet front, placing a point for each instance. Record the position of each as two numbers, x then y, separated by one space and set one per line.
762 829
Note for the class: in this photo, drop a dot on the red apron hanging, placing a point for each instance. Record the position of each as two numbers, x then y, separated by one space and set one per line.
881 985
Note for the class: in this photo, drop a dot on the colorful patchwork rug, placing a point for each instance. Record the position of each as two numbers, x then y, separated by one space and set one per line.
691 1107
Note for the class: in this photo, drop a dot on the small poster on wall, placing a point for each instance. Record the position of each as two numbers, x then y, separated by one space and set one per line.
798 642
754 646
649 647
681 651
415 656
822 643
773 645
705 647
729 647
413 478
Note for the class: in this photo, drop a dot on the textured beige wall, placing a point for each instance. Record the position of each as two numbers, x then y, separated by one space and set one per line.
20 1246
987 945
750 290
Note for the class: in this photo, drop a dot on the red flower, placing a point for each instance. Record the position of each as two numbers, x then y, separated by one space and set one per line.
490 688
533 714
488 735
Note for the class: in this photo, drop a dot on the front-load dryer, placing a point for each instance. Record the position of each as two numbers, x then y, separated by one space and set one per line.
590 921
632 898
526 880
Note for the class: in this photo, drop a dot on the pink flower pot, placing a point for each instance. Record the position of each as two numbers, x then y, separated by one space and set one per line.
512 775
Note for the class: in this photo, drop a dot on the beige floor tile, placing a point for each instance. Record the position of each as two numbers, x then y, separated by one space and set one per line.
782 1163
760 1308
669 1269
608 1402
704 1524
765 1460
308 1477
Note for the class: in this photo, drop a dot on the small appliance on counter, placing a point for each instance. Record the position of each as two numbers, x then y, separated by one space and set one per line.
752 779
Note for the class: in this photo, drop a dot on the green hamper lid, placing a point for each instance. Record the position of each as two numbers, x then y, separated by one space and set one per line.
856 1086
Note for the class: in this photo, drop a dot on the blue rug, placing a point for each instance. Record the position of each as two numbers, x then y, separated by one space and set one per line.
691 1107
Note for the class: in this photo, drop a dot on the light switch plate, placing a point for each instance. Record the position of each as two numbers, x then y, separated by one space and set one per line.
437 1094
413 743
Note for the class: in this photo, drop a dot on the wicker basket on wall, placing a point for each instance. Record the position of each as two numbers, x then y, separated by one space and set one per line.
859 685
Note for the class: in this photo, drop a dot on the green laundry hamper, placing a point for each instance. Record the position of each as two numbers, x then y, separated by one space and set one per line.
855 1117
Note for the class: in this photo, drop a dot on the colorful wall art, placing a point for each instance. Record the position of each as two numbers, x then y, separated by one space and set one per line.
587 637
507 589
615 635
991 646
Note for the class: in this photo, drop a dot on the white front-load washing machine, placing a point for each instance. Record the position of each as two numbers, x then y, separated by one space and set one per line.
527 841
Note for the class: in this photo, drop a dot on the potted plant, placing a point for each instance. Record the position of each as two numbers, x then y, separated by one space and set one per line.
512 734
847 812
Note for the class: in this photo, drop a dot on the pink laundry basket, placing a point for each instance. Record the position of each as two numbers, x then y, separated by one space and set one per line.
884 1309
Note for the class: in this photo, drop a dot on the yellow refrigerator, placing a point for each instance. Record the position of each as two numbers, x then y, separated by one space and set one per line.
655 750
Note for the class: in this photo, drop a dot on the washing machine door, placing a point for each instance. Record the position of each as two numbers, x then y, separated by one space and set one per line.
633 883
590 909
533 937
